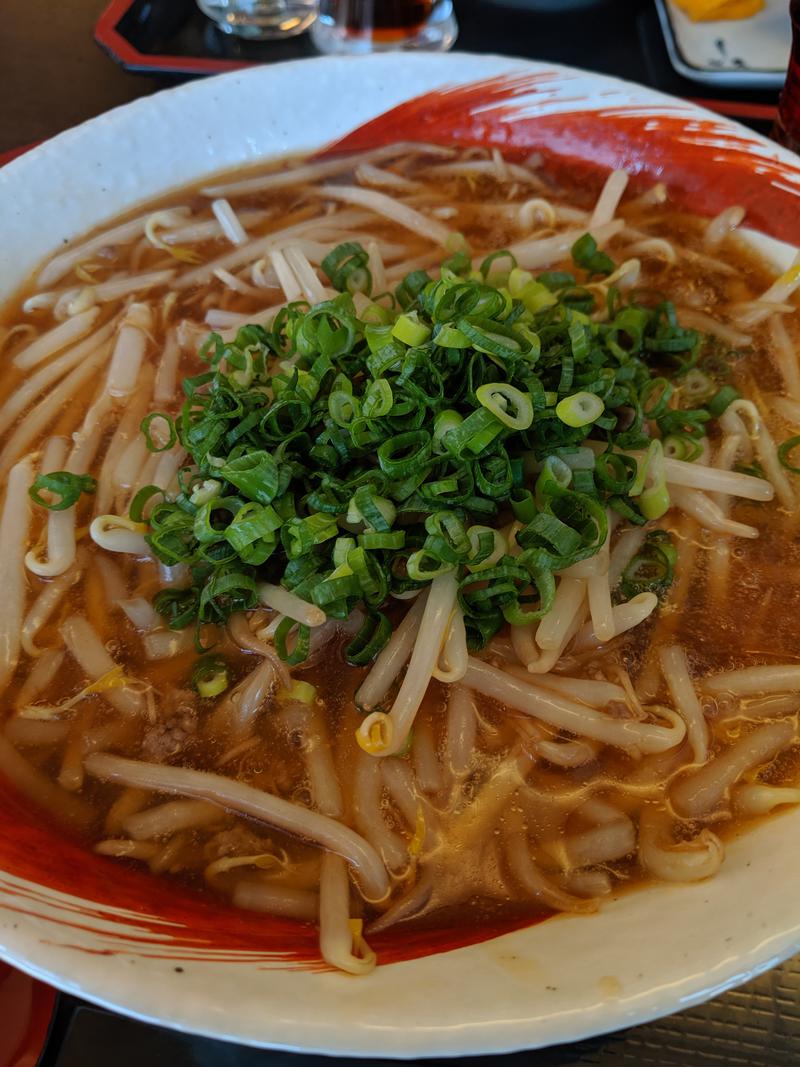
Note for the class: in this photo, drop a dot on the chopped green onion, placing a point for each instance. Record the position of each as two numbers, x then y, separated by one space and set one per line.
652 569
580 409
64 489
410 330
300 692
210 676
785 451
585 253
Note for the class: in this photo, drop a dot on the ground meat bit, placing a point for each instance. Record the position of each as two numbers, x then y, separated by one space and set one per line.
167 739
236 841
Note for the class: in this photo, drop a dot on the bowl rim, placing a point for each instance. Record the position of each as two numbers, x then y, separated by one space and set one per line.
125 994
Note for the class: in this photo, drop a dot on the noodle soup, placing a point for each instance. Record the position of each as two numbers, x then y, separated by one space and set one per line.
438 584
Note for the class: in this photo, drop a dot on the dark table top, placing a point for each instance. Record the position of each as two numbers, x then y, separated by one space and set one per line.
52 76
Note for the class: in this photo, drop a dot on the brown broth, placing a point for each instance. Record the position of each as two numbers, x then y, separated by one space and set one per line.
753 622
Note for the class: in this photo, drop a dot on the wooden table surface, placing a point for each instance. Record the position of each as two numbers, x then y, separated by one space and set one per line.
52 74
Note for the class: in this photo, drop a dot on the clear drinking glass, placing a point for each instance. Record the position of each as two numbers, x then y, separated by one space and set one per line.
352 27
260 19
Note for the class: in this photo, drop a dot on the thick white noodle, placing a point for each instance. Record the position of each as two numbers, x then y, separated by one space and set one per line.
699 476
236 796
681 688
606 207
313 289
113 289
259 246
91 655
240 632
139 610
764 447
778 293
368 814
701 792
126 432
118 533
755 681
627 545
427 647
598 592
626 616
653 248
129 349
166 644
568 600
41 790
340 945
393 657
366 174
389 208
592 691
14 524
534 881
462 728
207 229
130 462
166 371
531 254
452 662
753 799
708 514
272 899
601 844
313 171
287 603
238 712
39 418
720 557
167 466
569 753
170 817
568 715
784 352
722 225
669 861
47 344
35 384
43 607
286 276
229 221
428 769
376 267
699 320
124 234
538 660
326 793
40 675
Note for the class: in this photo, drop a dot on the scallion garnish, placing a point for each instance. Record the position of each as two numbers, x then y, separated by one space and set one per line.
351 457
63 489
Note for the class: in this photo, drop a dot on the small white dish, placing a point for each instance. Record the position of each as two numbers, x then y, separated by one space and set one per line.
750 53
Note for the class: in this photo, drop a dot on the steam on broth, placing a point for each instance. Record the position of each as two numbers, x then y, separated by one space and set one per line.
452 577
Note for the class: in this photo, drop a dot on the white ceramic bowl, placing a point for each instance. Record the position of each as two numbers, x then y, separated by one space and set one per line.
91 927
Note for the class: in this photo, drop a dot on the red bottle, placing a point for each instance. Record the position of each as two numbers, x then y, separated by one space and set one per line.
787 128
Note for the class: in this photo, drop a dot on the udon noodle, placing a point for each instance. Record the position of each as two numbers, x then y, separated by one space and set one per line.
440 584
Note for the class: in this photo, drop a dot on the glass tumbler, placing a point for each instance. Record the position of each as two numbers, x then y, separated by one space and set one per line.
352 27
260 20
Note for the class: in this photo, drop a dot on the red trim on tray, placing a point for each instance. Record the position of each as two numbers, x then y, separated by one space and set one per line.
738 109
120 48
26 1008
